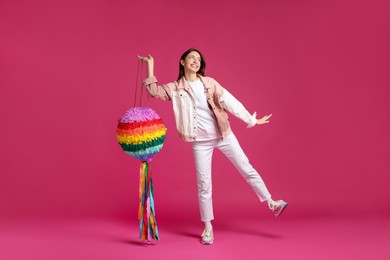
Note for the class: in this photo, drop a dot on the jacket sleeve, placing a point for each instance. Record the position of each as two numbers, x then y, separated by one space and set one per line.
163 92
231 104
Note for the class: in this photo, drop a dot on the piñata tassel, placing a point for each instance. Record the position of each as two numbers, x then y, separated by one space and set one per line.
146 211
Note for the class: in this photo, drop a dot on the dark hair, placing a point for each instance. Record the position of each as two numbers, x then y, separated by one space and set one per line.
184 56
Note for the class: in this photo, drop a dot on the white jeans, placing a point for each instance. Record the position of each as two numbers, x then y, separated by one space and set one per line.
203 151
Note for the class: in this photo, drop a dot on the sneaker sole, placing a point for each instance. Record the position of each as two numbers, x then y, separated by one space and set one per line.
281 211
205 243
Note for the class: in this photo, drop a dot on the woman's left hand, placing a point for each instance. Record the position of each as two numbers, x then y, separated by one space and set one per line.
263 120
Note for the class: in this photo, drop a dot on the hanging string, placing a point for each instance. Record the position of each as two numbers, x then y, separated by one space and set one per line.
136 84
148 98
138 81
142 89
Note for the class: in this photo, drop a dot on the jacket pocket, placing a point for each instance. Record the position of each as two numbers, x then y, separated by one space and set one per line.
183 109
217 102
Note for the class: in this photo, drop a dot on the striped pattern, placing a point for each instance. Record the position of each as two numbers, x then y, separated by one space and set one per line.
141 133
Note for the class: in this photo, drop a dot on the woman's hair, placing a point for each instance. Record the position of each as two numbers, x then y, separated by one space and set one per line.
184 56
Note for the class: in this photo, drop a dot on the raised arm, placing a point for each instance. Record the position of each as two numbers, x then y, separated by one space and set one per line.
163 92
150 62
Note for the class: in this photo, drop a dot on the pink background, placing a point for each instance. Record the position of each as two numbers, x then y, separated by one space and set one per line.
67 73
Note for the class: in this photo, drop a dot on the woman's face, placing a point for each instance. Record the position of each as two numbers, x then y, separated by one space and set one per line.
191 63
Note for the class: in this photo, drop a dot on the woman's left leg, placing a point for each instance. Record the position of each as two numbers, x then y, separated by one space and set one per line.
232 150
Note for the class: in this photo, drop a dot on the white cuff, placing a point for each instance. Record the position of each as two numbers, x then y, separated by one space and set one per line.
253 120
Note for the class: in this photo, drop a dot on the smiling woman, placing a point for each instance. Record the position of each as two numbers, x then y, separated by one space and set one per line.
194 61
200 106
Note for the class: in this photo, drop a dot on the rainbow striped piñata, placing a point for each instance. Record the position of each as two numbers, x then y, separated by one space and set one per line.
141 134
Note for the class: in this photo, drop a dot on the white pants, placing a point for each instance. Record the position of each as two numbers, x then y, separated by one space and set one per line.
229 146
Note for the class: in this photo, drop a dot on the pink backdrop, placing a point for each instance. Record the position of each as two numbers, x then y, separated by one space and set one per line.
67 73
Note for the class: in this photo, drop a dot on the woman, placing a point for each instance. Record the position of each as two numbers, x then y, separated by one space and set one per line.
200 104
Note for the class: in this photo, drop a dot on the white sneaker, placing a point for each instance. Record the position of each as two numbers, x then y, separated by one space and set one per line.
207 237
277 207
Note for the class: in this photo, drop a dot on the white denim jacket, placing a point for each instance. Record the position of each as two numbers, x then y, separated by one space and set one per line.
184 107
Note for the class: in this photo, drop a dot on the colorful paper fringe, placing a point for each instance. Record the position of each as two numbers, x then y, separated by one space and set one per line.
141 134
146 214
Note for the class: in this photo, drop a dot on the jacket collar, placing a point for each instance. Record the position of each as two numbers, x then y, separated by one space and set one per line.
183 84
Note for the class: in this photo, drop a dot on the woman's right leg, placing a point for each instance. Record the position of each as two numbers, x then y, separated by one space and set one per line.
203 151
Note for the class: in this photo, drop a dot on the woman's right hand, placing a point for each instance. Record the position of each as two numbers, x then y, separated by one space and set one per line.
148 59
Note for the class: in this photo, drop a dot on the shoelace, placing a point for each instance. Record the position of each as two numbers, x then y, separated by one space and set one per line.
206 233
273 205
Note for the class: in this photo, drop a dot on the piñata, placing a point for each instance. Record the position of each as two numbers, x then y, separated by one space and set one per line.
141 134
